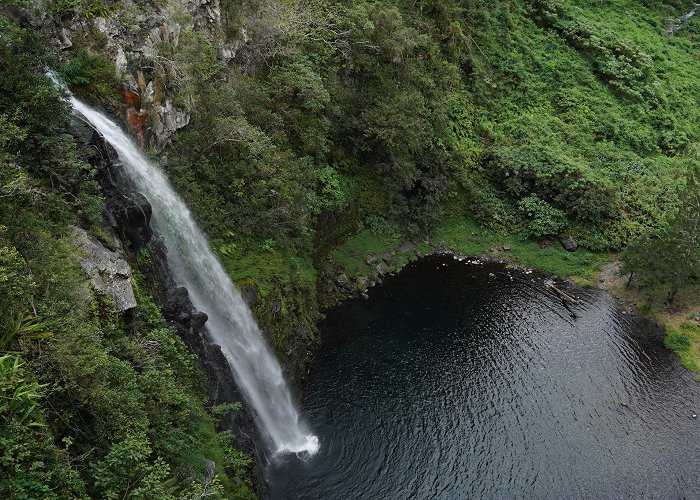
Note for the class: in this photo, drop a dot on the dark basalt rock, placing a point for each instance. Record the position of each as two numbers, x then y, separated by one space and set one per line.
130 213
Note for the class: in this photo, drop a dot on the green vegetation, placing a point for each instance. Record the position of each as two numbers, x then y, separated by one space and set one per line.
532 118
340 129
92 402
465 237
357 125
669 257
685 341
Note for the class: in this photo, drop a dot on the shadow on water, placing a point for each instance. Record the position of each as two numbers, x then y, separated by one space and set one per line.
472 380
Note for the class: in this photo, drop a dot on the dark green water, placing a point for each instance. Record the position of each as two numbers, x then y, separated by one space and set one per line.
461 380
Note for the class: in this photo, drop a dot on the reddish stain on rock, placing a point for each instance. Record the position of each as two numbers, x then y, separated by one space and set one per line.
137 119
131 98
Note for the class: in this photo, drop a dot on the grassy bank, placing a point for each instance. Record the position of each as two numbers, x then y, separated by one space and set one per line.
466 238
678 319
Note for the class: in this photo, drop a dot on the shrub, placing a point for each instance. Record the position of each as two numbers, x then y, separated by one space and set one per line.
540 218
677 341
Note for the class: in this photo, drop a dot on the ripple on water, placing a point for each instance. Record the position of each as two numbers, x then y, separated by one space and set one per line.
453 383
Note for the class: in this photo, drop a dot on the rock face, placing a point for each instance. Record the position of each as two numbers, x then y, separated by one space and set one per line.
569 243
140 38
109 273
129 214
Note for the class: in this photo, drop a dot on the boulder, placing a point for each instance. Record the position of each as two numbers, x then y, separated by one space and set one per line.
370 260
569 243
110 274
131 215
406 247
342 280
387 257
506 247
361 283
382 268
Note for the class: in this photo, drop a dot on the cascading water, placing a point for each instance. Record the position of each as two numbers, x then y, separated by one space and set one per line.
230 324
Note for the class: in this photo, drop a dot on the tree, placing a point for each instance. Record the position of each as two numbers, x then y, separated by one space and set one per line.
670 256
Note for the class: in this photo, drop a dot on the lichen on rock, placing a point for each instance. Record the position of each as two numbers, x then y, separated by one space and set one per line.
110 274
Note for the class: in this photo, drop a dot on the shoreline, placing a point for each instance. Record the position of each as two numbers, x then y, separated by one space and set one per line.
602 272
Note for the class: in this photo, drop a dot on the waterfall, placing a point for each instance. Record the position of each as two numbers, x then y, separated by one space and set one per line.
231 324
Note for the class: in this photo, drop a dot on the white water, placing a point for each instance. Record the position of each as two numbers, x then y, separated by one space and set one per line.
230 324
681 21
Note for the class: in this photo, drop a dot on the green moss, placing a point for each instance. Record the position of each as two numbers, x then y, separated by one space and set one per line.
350 256
268 270
466 238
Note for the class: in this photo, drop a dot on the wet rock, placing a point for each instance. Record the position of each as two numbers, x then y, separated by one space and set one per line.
568 243
110 274
250 295
130 214
382 268
361 283
177 305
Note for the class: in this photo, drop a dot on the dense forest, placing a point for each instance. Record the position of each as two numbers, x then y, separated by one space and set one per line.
316 132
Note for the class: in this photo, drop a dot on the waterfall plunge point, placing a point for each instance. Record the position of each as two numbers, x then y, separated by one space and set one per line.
231 324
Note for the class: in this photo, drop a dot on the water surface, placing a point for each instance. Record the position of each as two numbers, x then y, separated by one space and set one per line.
461 380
